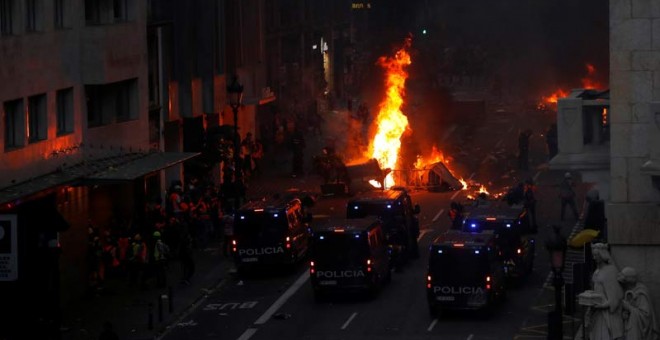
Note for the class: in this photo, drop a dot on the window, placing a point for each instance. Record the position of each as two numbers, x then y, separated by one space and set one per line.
30 15
92 11
59 14
38 126
110 103
126 94
6 14
64 111
119 10
14 123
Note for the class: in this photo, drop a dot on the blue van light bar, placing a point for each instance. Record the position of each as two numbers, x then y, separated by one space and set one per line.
357 235
473 225
476 252
389 206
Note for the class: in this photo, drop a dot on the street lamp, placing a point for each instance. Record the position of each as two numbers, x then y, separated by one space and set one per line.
235 97
556 246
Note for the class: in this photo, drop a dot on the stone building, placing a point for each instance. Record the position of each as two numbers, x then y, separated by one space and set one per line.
633 210
626 169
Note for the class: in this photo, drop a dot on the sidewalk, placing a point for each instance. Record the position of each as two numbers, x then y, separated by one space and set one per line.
536 324
146 314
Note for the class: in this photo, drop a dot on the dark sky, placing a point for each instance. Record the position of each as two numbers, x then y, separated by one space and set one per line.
541 42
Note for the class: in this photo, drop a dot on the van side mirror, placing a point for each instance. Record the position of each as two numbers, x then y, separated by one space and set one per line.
417 209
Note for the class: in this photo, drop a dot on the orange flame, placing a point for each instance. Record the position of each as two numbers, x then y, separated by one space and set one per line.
392 123
588 82
435 157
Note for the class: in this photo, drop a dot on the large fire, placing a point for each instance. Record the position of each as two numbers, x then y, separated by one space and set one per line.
391 122
588 82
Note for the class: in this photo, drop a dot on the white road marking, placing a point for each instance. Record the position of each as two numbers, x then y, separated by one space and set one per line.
432 325
282 299
247 334
536 176
470 337
422 233
437 216
349 320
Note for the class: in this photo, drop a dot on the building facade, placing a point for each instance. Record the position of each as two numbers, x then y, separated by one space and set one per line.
633 210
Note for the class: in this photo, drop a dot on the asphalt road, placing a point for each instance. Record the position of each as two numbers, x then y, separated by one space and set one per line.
279 304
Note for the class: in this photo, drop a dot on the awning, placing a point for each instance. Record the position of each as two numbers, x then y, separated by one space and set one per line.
142 166
118 167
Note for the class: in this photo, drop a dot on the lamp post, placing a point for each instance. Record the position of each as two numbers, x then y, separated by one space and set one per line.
556 246
235 97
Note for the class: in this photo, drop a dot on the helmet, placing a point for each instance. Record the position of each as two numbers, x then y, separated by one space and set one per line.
157 234
567 175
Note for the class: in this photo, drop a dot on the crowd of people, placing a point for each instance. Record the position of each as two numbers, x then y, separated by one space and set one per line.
188 219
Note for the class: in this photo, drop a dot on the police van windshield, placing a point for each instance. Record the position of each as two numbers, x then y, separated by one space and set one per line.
340 249
459 265
261 225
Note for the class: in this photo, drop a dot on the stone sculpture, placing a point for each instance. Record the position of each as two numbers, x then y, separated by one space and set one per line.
638 317
603 318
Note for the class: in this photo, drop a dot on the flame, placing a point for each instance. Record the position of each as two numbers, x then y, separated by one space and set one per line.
552 99
482 190
465 185
588 82
392 123
435 157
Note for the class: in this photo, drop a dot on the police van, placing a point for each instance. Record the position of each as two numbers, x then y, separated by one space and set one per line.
465 272
349 255
509 224
395 208
270 232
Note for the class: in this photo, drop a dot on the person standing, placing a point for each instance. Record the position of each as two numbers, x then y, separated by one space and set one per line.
551 141
523 149
297 148
161 254
567 196
529 202
257 155
186 257
228 228
247 148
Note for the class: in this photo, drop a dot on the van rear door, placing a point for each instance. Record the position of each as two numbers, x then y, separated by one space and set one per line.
261 237
459 277
340 259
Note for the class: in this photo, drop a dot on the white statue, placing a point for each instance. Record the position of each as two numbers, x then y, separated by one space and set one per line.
603 319
638 317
